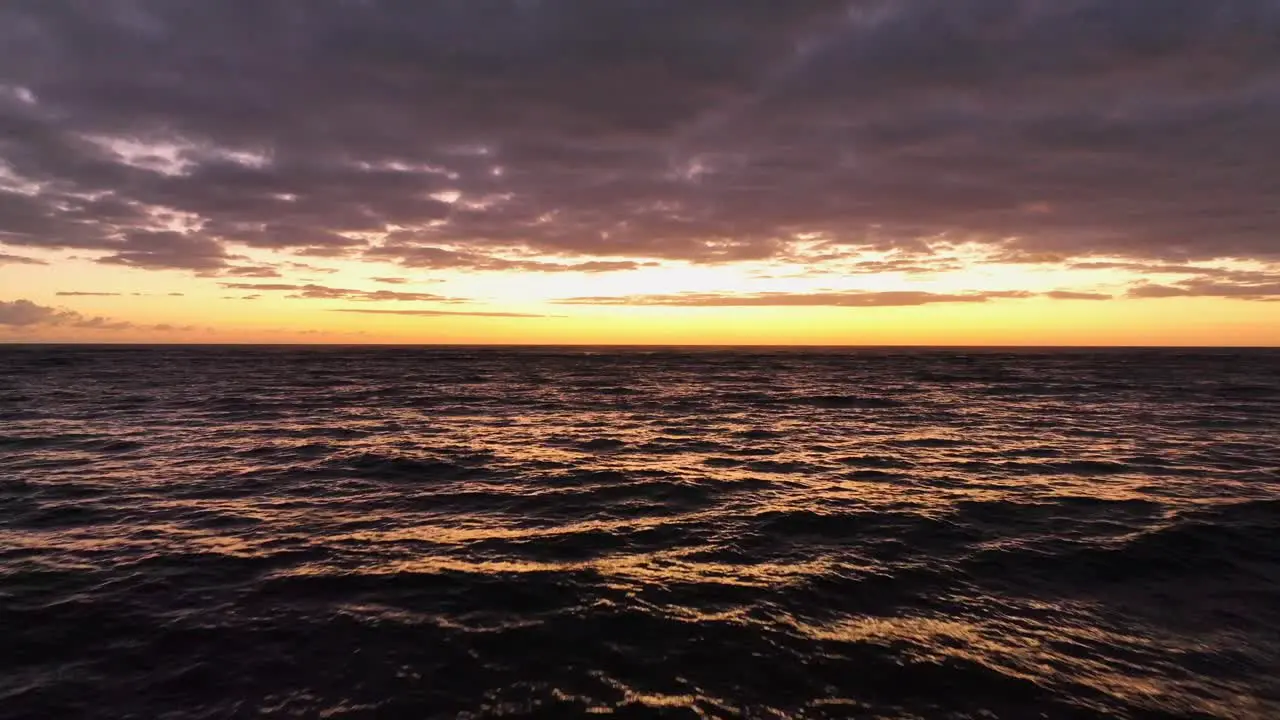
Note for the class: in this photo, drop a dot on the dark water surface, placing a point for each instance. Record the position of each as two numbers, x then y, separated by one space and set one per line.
556 533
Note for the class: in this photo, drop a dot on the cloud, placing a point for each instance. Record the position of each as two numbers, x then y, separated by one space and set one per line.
305 267
1198 281
321 292
81 293
1073 295
391 280
1271 274
851 298
409 254
26 314
7 259
261 286
168 250
577 135
258 271
908 265
1201 287
439 313
22 313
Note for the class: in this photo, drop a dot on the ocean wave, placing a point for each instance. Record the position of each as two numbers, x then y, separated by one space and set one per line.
475 533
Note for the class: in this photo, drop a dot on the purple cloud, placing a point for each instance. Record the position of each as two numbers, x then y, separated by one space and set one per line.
849 298
26 314
581 136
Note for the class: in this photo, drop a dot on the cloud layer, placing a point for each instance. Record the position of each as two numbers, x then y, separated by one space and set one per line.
7 259
851 298
439 313
587 136
24 314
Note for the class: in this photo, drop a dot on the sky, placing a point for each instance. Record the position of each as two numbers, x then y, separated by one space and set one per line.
902 172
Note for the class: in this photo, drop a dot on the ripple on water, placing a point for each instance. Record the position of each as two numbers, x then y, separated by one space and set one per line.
473 533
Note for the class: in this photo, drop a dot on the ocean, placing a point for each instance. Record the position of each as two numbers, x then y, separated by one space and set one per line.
453 532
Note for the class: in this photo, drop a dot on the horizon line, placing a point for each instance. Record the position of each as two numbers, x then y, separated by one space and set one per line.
73 343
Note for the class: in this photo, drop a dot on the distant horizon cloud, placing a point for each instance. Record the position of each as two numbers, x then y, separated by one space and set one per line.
27 314
439 313
1073 295
857 298
8 259
1204 288
322 292
849 298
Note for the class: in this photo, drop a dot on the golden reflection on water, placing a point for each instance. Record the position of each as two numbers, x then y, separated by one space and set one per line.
937 525
1062 649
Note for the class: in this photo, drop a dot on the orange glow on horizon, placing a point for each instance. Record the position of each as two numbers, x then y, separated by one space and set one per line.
525 308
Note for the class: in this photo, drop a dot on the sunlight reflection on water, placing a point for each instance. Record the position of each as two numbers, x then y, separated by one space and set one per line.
477 532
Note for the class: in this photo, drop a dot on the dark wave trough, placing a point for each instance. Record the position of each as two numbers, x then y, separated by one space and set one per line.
556 533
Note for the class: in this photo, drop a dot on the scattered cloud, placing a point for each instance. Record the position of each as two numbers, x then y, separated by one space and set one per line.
167 250
1253 283
1266 272
439 313
305 267
7 259
1073 295
906 266
411 255
21 313
258 271
848 298
26 314
261 286
81 293
321 292
1207 288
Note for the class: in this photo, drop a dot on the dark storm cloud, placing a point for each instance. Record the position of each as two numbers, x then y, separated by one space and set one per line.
711 131
322 292
851 298
26 314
